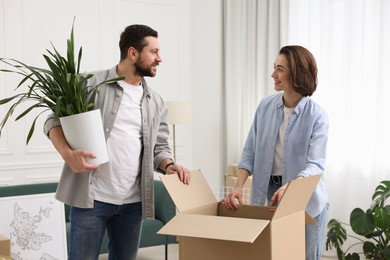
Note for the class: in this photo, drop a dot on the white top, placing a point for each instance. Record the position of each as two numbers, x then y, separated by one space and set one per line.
121 184
278 167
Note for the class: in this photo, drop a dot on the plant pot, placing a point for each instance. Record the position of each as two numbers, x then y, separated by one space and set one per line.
85 132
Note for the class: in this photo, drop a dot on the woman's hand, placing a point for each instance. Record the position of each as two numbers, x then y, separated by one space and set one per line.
230 200
278 195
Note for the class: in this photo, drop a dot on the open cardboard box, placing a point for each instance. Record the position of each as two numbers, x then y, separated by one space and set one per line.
208 230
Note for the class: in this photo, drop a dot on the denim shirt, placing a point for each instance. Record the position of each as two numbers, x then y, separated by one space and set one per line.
304 148
74 188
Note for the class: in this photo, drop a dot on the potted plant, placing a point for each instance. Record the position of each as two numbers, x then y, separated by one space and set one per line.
61 88
372 227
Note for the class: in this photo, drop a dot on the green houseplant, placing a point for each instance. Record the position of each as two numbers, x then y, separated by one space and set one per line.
61 88
372 227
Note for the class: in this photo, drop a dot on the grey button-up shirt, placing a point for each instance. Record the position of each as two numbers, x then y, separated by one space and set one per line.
74 188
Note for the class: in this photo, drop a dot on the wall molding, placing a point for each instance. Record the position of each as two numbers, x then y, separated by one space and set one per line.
6 181
33 179
31 165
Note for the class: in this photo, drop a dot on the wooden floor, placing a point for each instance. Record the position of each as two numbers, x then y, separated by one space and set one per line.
157 253
154 253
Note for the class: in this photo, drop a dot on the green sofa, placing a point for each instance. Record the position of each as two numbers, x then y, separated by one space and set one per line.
164 211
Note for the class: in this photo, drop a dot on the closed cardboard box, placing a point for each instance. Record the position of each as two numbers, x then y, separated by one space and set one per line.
5 246
233 169
230 181
209 231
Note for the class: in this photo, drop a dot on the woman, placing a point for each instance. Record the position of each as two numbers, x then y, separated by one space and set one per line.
287 141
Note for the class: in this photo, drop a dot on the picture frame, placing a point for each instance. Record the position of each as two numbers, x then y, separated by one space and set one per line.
35 225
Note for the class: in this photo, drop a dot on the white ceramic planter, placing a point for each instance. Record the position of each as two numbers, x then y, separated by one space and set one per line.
85 132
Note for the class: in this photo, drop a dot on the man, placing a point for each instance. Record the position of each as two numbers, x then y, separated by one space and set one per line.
117 195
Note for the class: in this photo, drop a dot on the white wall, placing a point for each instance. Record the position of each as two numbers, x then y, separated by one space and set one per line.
206 40
190 35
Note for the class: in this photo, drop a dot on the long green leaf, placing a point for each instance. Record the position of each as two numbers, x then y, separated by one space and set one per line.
30 133
8 99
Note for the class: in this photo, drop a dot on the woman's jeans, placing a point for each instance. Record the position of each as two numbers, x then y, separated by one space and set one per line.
315 233
88 225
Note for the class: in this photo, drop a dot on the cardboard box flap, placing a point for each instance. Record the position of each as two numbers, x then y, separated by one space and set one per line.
296 196
196 194
215 227
309 219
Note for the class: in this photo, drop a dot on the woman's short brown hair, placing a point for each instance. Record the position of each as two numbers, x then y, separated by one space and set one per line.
303 69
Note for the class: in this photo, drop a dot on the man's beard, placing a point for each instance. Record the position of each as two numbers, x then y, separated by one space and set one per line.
143 71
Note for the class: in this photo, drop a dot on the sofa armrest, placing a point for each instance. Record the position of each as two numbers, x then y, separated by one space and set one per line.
165 209
28 189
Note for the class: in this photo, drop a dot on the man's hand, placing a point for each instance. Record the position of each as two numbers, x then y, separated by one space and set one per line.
76 159
181 171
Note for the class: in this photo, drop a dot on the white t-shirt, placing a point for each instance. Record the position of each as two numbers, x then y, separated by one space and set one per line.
278 157
118 181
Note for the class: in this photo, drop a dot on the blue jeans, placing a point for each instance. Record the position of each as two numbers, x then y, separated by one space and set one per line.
88 225
315 234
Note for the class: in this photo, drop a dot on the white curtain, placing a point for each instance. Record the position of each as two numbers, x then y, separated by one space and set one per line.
350 40
252 34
